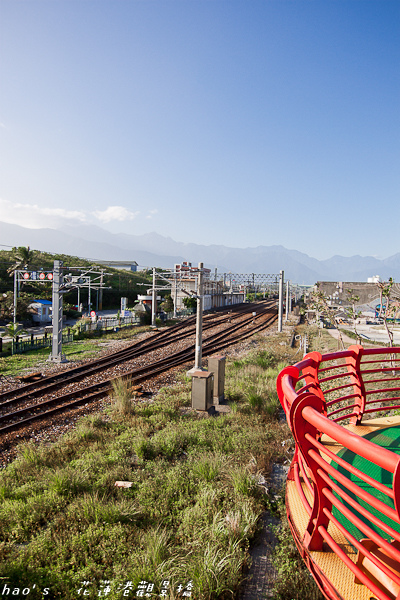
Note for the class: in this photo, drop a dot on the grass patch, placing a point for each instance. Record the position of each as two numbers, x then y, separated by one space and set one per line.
84 349
190 513
12 366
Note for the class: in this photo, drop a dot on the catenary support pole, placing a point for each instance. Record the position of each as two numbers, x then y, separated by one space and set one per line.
175 293
153 300
57 312
287 300
15 299
199 319
280 300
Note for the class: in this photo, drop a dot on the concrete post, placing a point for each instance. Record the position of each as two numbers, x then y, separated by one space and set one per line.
202 390
280 300
216 365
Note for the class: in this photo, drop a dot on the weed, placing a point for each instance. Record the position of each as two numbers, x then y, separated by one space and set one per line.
190 512
294 581
207 467
255 400
242 482
143 448
122 397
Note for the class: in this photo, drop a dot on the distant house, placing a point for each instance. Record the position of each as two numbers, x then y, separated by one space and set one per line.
41 311
126 265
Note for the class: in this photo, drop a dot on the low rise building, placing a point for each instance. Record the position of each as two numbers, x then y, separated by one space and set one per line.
184 281
41 311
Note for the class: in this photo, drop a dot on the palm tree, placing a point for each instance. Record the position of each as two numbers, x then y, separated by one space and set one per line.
12 330
22 257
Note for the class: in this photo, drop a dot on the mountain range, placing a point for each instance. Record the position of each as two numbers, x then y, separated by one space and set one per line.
153 249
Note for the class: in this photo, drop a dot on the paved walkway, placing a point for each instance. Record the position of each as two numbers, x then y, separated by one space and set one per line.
368 333
261 577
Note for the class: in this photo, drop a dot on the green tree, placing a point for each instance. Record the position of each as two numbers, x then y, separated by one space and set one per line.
351 310
386 309
168 304
7 305
21 257
189 302
319 302
12 330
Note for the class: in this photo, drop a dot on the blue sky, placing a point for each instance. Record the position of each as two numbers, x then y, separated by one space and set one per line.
241 123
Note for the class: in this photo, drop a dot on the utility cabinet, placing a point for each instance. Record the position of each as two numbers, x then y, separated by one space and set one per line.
216 365
202 390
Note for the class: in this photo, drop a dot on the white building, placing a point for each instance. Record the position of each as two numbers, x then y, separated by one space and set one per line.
41 311
186 278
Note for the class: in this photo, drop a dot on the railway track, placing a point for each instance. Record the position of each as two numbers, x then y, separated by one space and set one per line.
52 395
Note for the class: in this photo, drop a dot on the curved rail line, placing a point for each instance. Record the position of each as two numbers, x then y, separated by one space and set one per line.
46 408
343 487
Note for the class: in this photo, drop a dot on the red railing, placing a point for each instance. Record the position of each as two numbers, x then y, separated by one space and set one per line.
320 395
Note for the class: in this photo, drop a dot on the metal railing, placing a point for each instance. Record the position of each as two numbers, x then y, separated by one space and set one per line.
106 324
319 395
34 343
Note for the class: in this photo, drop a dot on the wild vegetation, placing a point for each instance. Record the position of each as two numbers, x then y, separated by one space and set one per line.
118 283
191 510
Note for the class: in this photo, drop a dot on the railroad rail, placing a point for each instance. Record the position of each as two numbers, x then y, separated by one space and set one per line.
343 486
51 395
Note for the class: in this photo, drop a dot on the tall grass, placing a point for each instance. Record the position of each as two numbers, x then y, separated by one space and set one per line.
189 514
122 397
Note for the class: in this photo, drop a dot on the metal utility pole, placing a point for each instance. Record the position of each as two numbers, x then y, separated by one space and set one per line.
15 300
287 301
56 354
199 319
100 306
153 300
175 293
280 301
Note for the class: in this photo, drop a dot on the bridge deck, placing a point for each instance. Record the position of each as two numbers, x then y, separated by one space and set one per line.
328 567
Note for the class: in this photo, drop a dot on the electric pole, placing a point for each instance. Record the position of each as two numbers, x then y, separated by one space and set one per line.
280 300
199 320
56 354
153 300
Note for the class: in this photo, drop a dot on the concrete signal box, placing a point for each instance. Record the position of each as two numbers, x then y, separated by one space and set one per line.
216 365
202 390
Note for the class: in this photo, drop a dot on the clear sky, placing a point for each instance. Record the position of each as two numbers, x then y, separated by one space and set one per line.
239 122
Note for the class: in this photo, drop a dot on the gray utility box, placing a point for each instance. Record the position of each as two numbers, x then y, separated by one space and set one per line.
202 390
216 365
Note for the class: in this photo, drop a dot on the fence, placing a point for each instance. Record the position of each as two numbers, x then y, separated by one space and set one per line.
344 481
21 346
105 324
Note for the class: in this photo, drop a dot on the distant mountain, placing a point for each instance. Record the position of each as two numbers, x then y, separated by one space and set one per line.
152 249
